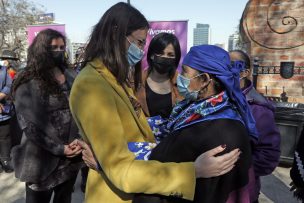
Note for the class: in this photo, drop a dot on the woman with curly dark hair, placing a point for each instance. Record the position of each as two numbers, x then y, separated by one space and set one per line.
47 158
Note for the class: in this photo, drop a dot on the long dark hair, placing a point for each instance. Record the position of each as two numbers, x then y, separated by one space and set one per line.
40 63
157 46
108 40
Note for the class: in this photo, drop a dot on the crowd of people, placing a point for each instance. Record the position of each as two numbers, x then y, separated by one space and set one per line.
201 134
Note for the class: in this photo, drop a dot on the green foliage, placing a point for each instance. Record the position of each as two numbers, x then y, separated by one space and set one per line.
15 15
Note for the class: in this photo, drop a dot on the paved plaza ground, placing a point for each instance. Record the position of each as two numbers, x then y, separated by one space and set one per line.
275 188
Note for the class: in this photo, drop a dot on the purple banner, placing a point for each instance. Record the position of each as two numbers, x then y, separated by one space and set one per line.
33 30
178 28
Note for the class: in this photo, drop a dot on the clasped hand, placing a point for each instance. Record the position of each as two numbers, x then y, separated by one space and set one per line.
73 149
76 147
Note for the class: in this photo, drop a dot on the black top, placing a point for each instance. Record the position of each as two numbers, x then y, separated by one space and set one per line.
188 143
158 104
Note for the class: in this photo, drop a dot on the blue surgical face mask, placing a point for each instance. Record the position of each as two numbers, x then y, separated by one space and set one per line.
135 54
183 85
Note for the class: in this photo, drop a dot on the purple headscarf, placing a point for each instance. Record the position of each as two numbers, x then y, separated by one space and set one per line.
216 61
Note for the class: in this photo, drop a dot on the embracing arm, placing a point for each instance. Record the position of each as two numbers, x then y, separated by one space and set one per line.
207 165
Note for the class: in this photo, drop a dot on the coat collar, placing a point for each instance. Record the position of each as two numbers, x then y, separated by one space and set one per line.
109 77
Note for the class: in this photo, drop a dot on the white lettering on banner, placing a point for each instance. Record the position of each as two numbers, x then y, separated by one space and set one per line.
155 32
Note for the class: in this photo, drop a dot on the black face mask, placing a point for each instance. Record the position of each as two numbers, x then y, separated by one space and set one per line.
163 65
58 57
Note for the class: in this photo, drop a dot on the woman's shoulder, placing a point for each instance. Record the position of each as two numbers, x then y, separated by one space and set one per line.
90 82
88 76
221 126
87 71
230 124
228 131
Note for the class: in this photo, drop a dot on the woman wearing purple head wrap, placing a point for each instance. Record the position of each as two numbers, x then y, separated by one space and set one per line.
213 112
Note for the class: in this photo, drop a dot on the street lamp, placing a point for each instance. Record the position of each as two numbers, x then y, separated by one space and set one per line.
129 2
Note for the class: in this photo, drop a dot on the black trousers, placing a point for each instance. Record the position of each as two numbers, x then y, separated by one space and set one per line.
15 131
84 174
62 193
5 140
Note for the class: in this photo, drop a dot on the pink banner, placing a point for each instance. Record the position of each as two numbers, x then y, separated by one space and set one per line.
178 28
33 30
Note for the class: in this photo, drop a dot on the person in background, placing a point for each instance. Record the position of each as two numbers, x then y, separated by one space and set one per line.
109 117
296 171
5 117
47 159
265 149
10 61
78 59
12 68
13 64
158 93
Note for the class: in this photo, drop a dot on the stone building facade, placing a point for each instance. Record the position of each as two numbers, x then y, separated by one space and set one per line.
272 31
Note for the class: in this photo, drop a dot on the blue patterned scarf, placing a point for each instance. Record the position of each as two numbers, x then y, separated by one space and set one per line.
183 115
215 107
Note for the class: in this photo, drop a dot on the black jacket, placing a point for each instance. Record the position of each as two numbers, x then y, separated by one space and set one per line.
188 143
47 125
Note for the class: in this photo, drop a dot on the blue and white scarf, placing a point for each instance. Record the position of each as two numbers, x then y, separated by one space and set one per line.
185 114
